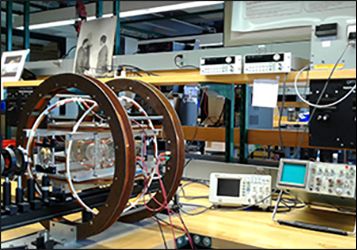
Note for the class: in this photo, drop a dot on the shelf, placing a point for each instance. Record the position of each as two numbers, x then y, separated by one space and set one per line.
291 138
187 77
263 137
293 105
255 136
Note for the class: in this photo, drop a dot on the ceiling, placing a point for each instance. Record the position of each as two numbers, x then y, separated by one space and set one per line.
38 6
55 42
205 20
188 22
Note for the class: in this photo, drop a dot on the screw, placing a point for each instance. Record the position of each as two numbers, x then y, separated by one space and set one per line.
196 239
206 242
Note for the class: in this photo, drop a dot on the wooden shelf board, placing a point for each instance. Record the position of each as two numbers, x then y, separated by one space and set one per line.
184 77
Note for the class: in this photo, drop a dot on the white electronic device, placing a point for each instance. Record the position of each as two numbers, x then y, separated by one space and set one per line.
223 65
272 63
240 189
319 183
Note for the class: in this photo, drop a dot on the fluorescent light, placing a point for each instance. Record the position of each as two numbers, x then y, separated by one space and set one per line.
90 18
49 25
180 6
131 13
211 44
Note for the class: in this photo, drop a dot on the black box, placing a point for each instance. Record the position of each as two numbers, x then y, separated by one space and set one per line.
336 126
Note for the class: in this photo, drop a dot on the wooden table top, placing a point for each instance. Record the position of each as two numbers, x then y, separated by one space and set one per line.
253 229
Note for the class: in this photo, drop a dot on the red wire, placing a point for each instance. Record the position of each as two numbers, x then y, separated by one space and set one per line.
165 205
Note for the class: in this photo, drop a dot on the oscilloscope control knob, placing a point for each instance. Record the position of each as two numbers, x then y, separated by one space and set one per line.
331 182
339 191
313 170
332 179
318 181
280 66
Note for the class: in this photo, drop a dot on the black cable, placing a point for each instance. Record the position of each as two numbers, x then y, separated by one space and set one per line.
180 204
242 208
161 231
300 136
149 73
169 224
68 52
322 94
282 111
192 197
218 123
187 66
205 182
296 204
186 229
205 209
187 163
112 67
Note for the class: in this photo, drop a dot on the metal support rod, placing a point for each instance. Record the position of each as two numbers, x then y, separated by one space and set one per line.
99 8
9 8
229 123
6 192
26 34
276 207
116 12
19 191
243 123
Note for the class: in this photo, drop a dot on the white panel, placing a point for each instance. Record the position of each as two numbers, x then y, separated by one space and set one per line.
264 15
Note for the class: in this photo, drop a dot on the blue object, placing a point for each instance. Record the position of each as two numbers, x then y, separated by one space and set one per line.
2 106
293 174
188 111
304 117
